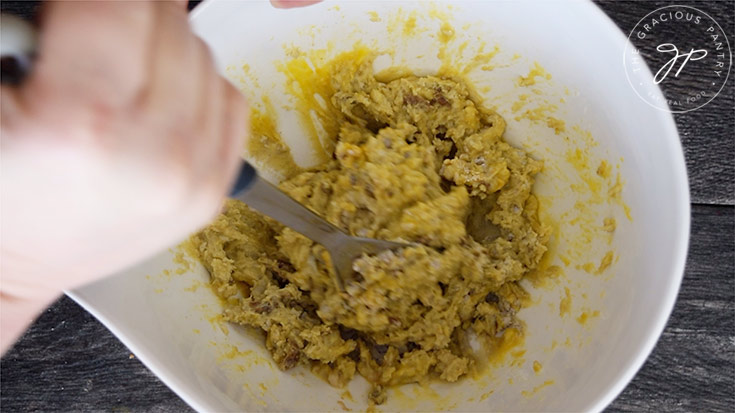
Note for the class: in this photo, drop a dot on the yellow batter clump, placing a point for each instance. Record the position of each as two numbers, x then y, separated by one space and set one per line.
416 160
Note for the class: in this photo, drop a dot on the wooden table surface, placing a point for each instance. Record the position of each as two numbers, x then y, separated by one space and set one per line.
68 361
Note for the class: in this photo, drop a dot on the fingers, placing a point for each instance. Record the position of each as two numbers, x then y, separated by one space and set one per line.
207 200
171 105
175 72
236 124
210 132
181 3
132 77
91 52
289 4
205 116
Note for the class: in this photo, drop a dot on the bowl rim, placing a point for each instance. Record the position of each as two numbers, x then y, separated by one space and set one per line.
664 310
681 248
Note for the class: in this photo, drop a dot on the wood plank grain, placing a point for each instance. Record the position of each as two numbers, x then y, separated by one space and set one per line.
708 133
692 367
68 361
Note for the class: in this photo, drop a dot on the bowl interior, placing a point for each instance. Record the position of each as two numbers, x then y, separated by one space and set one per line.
164 312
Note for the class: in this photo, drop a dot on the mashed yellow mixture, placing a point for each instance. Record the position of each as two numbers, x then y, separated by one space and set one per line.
418 160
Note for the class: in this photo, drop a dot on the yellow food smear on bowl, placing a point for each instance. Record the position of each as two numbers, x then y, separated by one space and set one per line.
604 170
537 367
609 224
585 316
605 263
374 17
265 142
565 305
536 72
538 388
580 160
409 26
446 33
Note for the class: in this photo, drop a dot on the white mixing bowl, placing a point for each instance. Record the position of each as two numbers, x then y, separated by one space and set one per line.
164 313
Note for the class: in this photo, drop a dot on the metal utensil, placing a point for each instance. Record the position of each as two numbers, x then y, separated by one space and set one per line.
343 248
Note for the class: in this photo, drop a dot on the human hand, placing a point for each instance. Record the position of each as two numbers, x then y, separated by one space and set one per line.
121 142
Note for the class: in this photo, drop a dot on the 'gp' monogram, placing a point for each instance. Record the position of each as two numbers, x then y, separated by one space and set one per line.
693 55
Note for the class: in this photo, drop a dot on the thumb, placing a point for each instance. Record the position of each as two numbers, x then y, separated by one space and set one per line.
181 3
289 4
